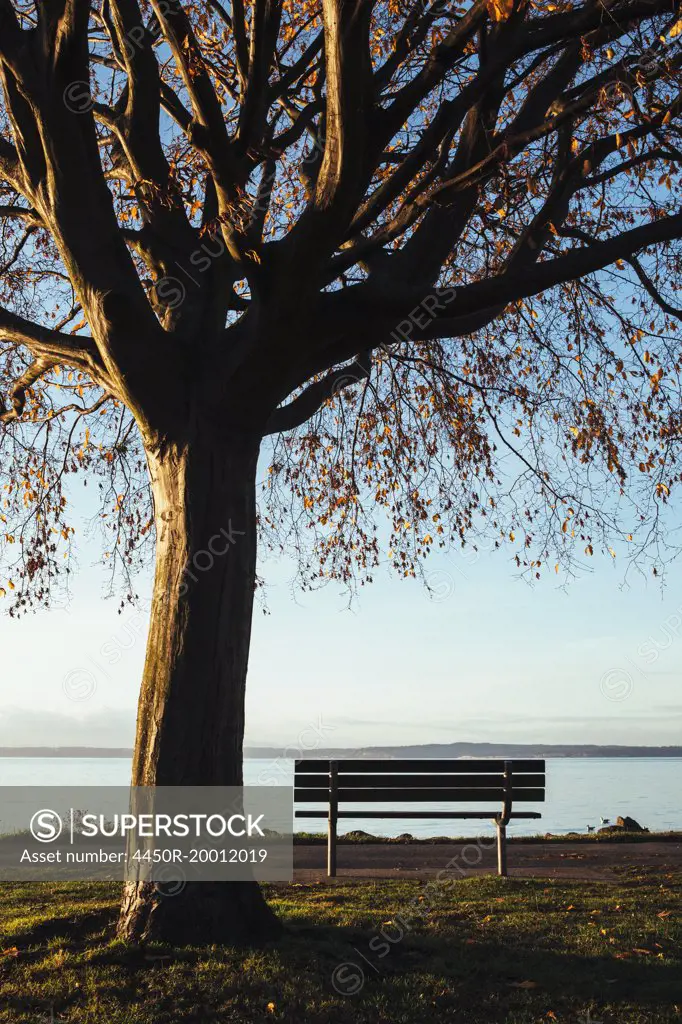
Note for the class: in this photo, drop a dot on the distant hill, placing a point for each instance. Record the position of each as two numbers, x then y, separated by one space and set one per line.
418 750
481 750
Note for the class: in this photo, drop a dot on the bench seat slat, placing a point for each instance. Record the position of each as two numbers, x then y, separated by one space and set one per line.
412 781
418 795
423 815
410 764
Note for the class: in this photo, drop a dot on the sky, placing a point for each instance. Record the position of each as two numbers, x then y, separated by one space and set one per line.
485 658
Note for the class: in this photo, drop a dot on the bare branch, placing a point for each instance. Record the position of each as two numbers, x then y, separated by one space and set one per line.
287 417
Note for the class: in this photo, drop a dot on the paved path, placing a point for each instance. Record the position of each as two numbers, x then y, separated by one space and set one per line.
580 860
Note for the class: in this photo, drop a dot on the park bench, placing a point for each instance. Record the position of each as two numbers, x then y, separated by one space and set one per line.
342 783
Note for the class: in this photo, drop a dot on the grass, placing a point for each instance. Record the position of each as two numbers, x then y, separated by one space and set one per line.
358 838
474 950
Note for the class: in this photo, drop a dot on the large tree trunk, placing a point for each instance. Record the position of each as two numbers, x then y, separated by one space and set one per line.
191 713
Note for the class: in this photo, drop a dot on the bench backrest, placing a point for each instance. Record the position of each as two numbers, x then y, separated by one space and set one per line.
420 780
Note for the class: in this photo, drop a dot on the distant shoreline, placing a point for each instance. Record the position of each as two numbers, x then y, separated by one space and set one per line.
445 750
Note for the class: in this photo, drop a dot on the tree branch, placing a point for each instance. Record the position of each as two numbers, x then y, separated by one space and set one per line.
287 417
651 288
45 343
513 286
254 106
343 174
18 394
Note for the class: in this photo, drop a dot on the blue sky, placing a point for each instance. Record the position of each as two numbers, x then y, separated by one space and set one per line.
487 658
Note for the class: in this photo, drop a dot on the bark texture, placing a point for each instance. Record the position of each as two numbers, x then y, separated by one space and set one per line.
191 711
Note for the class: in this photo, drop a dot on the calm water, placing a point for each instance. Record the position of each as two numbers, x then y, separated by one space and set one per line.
579 792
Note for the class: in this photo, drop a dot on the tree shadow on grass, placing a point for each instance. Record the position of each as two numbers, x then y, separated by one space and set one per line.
334 974
76 929
336 967
365 964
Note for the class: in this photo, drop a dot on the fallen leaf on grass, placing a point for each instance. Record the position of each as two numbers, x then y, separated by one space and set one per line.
664 913
12 951
523 984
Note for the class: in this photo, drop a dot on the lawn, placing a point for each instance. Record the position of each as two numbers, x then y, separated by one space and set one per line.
475 950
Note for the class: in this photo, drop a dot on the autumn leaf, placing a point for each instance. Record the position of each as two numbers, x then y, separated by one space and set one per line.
500 10
524 984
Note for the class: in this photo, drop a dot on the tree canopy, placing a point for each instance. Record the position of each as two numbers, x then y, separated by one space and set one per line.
429 251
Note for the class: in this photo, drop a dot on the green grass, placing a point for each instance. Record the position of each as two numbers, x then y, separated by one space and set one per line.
475 950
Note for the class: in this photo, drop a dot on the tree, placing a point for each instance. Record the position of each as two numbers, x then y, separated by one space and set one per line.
430 252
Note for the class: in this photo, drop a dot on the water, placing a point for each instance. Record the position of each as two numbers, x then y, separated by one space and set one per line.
579 792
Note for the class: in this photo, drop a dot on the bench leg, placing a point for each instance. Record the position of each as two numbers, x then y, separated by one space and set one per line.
501 850
333 816
331 847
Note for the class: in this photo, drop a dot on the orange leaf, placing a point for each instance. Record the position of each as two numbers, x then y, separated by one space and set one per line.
500 10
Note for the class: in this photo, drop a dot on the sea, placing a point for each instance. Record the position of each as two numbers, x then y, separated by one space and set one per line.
580 793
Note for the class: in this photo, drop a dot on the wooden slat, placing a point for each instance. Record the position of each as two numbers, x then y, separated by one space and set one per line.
420 815
417 795
429 765
410 781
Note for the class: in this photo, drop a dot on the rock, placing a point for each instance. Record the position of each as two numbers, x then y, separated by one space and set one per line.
624 825
630 825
